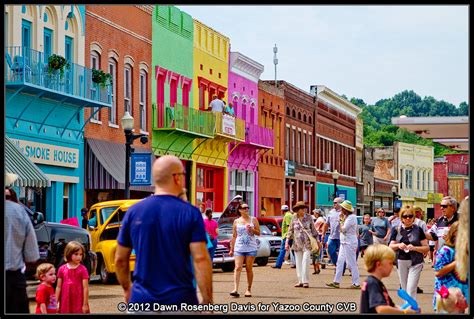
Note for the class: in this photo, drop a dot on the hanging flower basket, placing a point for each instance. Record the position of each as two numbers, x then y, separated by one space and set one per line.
57 62
102 78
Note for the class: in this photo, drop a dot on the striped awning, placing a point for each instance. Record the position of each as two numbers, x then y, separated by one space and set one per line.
29 175
105 165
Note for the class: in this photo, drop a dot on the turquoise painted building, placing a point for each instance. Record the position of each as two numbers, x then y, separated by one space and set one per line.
45 103
325 194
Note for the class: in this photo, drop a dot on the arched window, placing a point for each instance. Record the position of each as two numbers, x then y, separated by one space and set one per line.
299 116
127 88
287 111
95 64
304 117
113 109
310 120
293 113
143 94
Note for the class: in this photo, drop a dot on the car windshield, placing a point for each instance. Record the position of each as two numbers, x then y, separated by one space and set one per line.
265 231
106 212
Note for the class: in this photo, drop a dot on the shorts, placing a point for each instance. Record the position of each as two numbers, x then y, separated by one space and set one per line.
316 258
246 253
432 248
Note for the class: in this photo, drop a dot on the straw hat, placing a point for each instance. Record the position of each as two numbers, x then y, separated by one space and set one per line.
299 205
347 205
10 178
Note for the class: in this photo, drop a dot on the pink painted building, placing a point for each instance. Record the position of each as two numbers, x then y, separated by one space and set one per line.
243 157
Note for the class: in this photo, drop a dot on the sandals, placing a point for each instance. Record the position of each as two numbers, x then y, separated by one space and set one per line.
299 285
248 294
235 294
306 285
316 272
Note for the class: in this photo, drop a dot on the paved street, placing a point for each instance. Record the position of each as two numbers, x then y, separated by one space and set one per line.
273 285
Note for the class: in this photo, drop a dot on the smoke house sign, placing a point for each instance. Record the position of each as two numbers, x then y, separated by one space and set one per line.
49 154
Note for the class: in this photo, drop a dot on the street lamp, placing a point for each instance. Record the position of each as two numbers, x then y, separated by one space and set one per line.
335 176
128 124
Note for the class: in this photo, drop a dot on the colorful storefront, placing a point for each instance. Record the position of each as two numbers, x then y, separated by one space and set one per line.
210 77
243 158
45 109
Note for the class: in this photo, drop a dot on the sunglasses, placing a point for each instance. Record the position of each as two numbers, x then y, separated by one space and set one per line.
246 207
445 206
407 216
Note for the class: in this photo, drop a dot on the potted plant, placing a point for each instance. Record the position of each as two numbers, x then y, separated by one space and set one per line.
57 62
102 78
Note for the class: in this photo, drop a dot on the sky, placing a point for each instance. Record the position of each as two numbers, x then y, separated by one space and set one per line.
367 52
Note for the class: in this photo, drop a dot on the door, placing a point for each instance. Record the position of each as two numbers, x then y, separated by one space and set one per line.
48 42
69 55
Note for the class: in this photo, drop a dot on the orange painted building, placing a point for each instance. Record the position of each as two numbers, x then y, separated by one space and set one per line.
271 166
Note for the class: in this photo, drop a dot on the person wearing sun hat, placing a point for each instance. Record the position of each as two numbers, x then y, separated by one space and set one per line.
301 225
348 248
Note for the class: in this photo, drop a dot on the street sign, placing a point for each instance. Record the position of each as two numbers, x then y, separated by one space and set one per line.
140 169
289 168
397 203
435 198
342 193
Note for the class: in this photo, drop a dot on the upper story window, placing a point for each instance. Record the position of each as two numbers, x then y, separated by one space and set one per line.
409 179
143 106
127 87
113 109
95 64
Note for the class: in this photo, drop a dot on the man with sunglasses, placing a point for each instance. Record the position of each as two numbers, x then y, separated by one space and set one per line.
449 207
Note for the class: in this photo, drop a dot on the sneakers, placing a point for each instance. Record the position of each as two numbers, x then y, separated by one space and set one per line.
287 262
355 286
275 266
333 285
293 266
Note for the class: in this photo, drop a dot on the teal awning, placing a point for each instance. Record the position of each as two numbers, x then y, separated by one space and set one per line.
29 175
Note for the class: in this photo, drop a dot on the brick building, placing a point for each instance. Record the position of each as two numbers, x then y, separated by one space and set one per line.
119 42
300 172
271 166
335 141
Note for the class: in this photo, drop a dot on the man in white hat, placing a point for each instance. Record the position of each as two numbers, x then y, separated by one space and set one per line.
287 215
21 247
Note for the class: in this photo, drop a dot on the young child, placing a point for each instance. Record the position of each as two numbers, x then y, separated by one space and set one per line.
450 300
72 290
365 237
45 298
445 266
431 243
374 296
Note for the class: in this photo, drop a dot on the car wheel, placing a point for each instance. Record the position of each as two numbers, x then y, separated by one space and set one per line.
262 261
228 267
105 276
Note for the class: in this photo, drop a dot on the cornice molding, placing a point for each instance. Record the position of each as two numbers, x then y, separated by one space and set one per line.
240 62
337 101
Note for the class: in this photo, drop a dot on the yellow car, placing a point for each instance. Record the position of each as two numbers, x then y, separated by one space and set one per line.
104 223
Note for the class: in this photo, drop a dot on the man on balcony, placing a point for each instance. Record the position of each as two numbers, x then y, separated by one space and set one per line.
229 110
216 104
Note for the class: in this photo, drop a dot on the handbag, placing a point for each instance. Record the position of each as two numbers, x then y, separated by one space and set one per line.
315 244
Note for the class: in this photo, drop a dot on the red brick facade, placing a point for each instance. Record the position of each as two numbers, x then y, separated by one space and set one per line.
335 126
271 167
123 33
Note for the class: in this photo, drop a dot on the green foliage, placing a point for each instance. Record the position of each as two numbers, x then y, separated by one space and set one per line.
378 128
57 62
102 78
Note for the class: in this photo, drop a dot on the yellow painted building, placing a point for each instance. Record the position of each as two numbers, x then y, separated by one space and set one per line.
211 71
415 173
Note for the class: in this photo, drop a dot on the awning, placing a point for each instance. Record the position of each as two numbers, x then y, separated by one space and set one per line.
29 175
105 165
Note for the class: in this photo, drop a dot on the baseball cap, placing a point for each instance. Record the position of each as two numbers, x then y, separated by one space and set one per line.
285 207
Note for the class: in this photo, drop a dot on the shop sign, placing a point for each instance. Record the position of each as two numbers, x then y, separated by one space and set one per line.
140 169
289 168
48 154
397 203
342 193
228 124
435 198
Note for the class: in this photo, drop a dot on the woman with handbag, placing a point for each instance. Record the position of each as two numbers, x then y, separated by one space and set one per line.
304 241
348 248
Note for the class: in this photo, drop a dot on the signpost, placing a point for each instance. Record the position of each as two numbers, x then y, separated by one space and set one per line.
435 198
342 193
140 169
289 168
397 203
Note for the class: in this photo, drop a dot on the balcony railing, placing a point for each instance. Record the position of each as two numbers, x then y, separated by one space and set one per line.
458 168
258 135
28 66
183 118
229 126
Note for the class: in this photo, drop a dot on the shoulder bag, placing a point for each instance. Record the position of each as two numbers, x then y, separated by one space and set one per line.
315 244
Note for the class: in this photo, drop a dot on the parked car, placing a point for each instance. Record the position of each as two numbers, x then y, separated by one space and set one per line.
274 241
52 238
273 223
222 259
104 236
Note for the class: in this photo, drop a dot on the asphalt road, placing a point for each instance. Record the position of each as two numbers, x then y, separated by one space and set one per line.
276 286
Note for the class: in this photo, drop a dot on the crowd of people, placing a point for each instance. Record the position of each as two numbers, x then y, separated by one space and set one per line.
165 226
